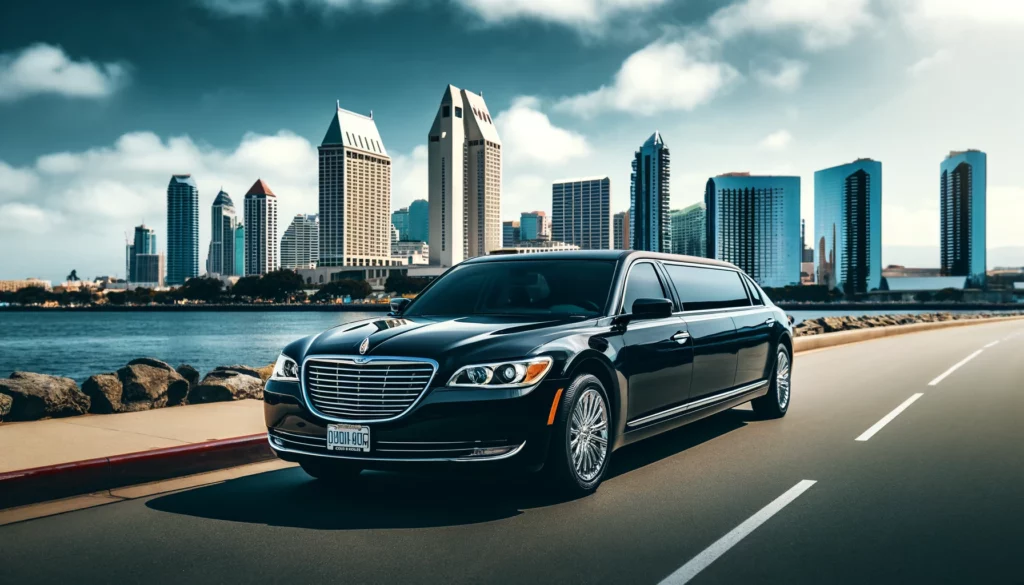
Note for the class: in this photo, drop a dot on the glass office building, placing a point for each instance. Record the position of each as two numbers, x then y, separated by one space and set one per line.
419 221
581 213
754 222
650 227
962 194
848 226
533 225
182 229
688 230
400 221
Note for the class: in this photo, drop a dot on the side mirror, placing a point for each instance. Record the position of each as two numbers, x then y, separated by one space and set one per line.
652 309
398 305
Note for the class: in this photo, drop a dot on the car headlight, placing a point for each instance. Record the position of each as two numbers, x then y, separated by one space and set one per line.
286 369
510 374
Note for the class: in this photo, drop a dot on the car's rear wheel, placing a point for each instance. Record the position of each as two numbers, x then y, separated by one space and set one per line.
330 471
581 439
775 403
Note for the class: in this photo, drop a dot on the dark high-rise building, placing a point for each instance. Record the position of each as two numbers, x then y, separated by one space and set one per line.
962 195
620 231
581 213
400 221
650 226
689 227
144 263
222 236
510 234
848 225
419 221
182 229
754 222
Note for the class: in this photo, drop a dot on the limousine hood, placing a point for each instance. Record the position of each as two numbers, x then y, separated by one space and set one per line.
452 342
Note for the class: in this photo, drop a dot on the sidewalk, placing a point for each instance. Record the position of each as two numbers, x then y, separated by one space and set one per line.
58 441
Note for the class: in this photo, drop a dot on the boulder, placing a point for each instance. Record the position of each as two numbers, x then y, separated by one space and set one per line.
36 396
190 374
104 390
265 372
5 406
227 383
244 370
149 383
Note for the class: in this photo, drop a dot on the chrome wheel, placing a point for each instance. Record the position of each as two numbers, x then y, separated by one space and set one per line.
588 435
782 380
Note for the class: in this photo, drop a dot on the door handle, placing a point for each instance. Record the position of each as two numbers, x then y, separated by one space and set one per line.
769 321
681 337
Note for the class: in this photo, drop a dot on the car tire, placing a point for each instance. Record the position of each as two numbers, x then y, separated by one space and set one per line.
584 414
330 471
776 402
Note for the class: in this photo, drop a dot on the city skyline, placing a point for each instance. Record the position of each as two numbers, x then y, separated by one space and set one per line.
786 95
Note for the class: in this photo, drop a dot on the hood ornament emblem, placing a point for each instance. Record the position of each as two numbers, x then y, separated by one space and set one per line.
365 345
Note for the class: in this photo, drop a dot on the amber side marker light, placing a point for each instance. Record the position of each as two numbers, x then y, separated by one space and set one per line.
554 407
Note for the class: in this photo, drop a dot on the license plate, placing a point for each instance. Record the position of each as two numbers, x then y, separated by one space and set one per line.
348 438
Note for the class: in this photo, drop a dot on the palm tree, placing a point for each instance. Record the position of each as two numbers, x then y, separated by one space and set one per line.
73 277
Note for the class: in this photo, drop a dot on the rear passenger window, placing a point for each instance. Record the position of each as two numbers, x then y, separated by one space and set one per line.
707 288
755 292
643 283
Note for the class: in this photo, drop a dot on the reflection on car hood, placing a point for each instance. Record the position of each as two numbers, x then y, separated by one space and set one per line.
446 340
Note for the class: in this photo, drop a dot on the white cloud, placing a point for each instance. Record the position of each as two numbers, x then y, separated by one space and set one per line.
930 62
786 75
958 12
566 12
21 218
409 177
820 23
529 137
1005 206
107 190
16 182
663 76
42 69
778 140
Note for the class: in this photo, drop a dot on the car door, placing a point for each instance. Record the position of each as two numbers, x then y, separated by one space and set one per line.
709 296
753 332
656 357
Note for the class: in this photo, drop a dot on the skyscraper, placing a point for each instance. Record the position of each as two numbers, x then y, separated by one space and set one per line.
419 221
848 225
581 212
240 249
182 229
620 231
533 225
650 227
510 234
464 167
754 222
261 240
355 193
962 199
144 265
222 236
688 230
400 219
300 244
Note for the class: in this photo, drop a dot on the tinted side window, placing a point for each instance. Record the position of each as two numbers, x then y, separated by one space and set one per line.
643 283
707 288
755 292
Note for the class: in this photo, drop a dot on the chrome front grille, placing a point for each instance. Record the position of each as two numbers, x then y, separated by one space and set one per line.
379 389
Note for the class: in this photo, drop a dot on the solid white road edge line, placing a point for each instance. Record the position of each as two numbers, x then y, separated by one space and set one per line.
988 345
700 562
955 367
888 418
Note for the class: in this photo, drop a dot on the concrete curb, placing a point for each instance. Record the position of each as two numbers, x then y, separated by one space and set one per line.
824 340
28 486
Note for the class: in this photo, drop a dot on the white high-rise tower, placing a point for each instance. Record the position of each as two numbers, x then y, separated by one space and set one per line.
464 161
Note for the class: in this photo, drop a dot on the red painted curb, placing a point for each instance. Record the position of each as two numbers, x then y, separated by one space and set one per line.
27 486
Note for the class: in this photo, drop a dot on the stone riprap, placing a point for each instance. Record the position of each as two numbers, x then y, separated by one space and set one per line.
834 324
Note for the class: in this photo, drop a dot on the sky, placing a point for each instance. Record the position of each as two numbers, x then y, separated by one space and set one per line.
101 105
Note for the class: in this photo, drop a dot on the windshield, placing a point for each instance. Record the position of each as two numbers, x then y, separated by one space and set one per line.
519 287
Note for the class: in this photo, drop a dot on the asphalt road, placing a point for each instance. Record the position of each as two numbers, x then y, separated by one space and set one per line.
934 496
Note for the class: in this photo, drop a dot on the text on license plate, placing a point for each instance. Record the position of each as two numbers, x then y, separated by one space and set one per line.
348 438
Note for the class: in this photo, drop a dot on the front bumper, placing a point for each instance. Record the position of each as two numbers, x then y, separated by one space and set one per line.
462 427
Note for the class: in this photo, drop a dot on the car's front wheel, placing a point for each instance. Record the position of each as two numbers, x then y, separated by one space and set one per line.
775 403
581 439
330 471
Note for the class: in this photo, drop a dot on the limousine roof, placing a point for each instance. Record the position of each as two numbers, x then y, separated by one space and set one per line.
623 255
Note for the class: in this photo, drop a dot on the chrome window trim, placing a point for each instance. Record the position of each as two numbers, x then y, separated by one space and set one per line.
742 275
362 360
621 300
511 453
697 404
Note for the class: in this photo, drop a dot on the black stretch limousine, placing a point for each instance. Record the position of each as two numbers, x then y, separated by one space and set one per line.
539 361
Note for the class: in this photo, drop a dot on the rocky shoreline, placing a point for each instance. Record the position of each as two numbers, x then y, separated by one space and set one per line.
143 384
848 323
